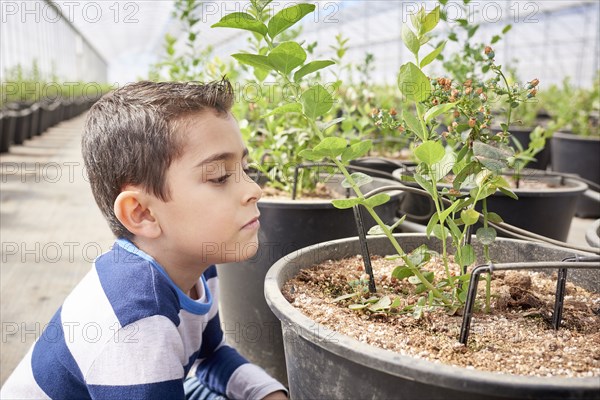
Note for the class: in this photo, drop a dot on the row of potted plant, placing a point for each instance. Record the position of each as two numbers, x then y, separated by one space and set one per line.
29 104
307 136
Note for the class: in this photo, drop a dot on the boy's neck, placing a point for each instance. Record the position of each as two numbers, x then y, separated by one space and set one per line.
183 275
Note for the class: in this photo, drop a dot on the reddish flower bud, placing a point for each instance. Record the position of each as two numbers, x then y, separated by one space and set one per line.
393 111
472 122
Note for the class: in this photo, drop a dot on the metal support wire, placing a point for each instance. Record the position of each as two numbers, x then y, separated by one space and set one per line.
581 262
364 247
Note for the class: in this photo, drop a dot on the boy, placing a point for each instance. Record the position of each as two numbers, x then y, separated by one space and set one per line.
166 163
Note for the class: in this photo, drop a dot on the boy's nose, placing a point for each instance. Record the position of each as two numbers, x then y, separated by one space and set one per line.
253 192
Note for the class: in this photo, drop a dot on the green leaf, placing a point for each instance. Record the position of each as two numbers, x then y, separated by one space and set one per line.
344 297
419 255
442 168
437 110
413 124
288 17
311 67
331 147
356 150
402 272
486 235
346 203
254 60
287 56
508 193
377 230
472 31
431 20
260 4
286 108
431 224
413 83
448 210
425 184
377 200
323 126
440 232
357 306
507 28
359 179
310 155
469 217
430 152
240 20
428 59
453 228
467 255
383 304
492 157
495 39
317 101
494 218
410 39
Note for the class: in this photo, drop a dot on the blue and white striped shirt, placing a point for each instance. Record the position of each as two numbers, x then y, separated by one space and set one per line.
128 332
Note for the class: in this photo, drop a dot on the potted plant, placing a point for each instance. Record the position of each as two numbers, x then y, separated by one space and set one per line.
546 203
575 147
340 367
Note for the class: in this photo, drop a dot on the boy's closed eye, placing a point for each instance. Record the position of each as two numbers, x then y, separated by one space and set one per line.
228 173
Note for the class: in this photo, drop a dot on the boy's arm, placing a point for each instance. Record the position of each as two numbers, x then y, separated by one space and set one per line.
142 361
224 370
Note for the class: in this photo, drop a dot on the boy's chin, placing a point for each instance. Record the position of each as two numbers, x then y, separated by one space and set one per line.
245 252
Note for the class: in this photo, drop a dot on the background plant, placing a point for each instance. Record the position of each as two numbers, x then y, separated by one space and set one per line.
576 109
291 103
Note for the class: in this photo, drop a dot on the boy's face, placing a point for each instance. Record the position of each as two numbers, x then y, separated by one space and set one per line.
212 215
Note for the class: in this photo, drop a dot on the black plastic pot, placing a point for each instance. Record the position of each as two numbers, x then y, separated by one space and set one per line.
7 124
324 364
578 155
521 134
542 158
547 212
592 234
34 124
22 126
286 226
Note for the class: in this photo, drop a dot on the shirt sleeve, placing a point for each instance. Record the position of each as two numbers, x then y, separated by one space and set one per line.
224 370
144 360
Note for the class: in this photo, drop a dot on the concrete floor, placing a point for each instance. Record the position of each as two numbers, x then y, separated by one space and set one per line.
51 231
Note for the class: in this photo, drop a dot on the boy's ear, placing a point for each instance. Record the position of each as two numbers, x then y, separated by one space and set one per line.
132 210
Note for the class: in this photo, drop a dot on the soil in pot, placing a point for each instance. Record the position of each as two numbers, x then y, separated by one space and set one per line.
515 338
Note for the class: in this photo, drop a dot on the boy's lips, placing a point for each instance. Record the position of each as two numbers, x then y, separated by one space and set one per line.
254 223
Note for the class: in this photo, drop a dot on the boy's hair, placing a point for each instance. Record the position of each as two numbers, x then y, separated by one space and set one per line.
132 135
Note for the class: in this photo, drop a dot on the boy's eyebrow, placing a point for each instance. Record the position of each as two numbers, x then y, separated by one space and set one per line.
221 156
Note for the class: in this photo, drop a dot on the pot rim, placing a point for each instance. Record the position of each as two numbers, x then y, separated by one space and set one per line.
278 202
393 363
592 234
570 186
572 136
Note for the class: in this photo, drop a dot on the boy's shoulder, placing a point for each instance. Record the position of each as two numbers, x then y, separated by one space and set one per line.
134 288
